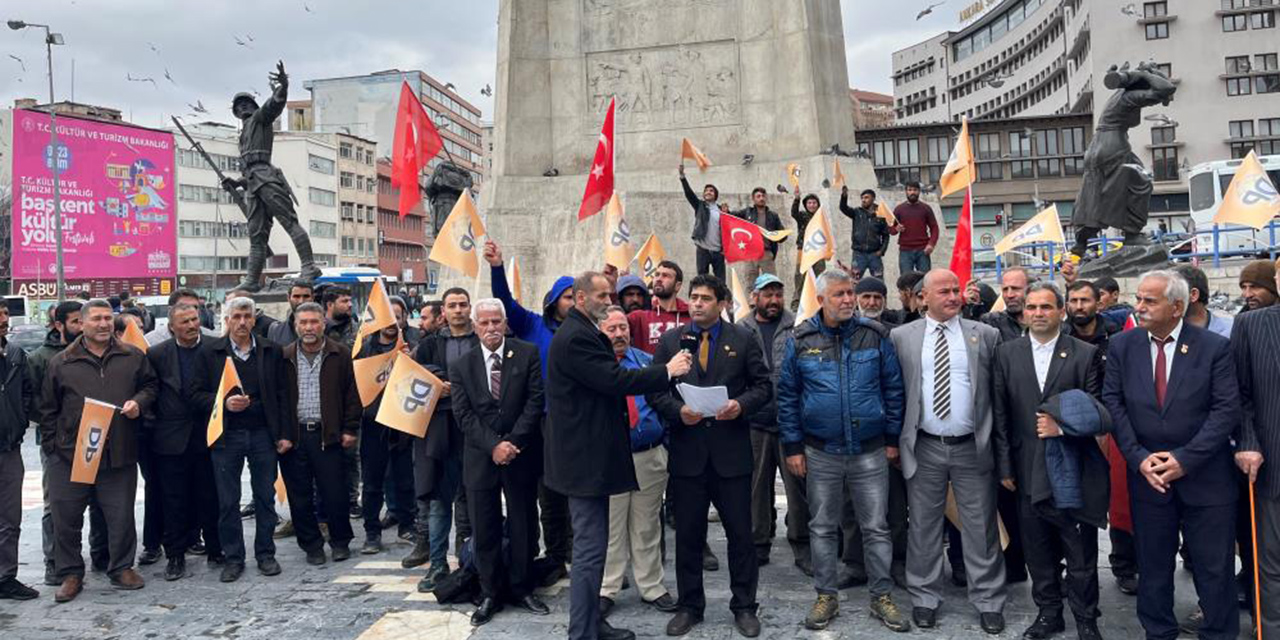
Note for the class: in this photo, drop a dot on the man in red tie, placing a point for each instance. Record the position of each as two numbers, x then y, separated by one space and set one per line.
1171 389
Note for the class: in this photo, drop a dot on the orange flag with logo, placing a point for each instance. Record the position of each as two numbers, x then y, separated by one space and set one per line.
513 280
412 394
883 211
741 308
1251 199
960 171
133 336
818 243
378 315
372 373
91 440
230 380
837 181
809 305
793 175
651 253
457 244
690 152
617 235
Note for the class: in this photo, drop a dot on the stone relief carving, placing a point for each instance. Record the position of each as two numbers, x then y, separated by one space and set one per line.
667 87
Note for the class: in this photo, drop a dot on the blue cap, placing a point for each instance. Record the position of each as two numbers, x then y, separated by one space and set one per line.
765 280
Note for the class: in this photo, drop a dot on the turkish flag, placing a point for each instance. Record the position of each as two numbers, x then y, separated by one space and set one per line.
600 180
742 241
962 253
416 143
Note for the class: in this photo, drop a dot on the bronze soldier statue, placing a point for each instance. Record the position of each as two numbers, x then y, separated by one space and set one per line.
266 192
1116 191
446 185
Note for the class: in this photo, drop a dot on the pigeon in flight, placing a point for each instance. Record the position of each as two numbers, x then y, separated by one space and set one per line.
929 9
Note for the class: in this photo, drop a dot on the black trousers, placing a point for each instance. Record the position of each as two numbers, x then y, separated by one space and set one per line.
1051 537
1015 558
1244 541
1123 556
511 579
376 458
153 517
710 262
557 534
189 499
732 499
308 465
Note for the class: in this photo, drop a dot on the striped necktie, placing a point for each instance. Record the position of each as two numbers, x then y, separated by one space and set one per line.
495 376
941 375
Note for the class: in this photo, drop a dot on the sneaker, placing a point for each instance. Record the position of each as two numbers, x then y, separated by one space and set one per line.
884 610
371 546
428 582
389 520
11 589
824 610
355 511
246 511
405 532
285 530
420 555
341 552
197 549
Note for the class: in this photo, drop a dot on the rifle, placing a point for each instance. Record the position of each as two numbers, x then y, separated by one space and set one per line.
236 196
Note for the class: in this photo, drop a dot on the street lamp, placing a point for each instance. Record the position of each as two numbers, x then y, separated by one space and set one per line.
51 39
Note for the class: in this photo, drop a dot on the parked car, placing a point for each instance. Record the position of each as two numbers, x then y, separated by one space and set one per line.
28 336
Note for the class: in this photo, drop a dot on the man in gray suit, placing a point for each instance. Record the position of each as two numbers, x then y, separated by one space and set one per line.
946 439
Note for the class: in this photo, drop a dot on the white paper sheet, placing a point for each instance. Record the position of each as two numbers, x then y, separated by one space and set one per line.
707 401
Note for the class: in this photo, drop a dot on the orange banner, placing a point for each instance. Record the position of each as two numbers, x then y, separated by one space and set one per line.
412 394
883 211
690 152
373 372
230 380
91 440
617 235
456 244
378 315
651 253
838 181
133 336
960 171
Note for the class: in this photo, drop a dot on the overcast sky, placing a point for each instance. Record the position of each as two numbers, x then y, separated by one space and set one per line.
196 43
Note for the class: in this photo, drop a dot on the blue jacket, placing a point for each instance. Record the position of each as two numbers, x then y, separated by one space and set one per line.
525 324
1079 415
839 387
648 429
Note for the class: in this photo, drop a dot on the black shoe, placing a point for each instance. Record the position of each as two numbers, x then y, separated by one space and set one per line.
355 511
747 623
389 521
428 582
555 575
268 566
420 555
488 608
1088 630
682 623
664 603
605 606
992 623
958 576
607 632
924 617
341 552
246 511
216 560
533 605
1127 585
197 549
762 557
709 560
851 578
1045 626
51 576
805 565
371 546
11 589
176 569
316 557
405 532
232 572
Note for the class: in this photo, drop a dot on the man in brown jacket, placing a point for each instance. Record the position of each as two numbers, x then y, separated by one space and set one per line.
95 366
325 411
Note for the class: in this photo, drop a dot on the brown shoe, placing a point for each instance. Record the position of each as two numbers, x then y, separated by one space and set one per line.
128 580
71 587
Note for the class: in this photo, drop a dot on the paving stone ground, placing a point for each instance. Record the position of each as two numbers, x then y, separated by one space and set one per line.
372 598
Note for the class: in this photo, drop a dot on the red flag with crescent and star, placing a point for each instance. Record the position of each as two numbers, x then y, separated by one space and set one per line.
741 240
600 180
416 142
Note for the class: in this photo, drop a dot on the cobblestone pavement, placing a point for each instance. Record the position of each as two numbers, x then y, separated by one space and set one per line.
372 598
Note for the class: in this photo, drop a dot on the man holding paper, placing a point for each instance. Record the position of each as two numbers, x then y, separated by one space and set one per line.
711 460
94 367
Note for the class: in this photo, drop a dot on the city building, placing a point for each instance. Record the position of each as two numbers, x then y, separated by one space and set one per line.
365 106
213 238
357 200
404 243
871 109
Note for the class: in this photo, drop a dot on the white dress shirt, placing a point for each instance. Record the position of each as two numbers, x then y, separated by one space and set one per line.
1042 355
488 359
960 422
1169 350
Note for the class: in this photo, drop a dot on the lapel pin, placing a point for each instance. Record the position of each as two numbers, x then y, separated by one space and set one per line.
511 354
973 339
1184 350
726 347
1062 354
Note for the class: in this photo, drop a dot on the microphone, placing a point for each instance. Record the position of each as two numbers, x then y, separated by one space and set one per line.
689 343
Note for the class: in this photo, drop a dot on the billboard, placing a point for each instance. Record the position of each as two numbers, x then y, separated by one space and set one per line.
119 218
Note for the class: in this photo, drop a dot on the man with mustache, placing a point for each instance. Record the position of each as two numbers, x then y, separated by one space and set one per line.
1258 284
917 231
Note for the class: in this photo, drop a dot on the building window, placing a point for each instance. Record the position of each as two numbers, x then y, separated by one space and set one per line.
345 150
1073 166
1163 135
1266 62
1049 168
320 165
1166 69
990 171
1047 142
348 211
322 197
1238 64
1234 4
1239 86
346 180
988 146
1155 9
1263 20
1269 127
1237 22
323 229
1269 83
1019 144
1164 164
939 148
1158 31
1021 169
909 151
1073 140
1241 128
882 154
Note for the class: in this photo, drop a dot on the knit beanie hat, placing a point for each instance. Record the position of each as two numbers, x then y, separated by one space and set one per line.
1261 273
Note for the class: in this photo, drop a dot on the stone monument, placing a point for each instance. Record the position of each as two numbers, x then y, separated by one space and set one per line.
755 84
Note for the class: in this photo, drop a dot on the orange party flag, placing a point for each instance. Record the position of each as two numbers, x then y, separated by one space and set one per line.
617 235
133 336
793 175
91 440
809 305
378 315
690 152
883 211
837 181
651 253
372 373
513 279
411 397
230 380
1251 199
456 244
818 243
960 171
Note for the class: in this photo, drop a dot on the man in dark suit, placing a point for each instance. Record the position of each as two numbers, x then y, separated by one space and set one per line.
498 402
176 428
1171 390
588 448
1028 372
711 460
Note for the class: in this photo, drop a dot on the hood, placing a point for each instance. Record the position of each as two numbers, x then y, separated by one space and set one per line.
628 281
563 283
53 340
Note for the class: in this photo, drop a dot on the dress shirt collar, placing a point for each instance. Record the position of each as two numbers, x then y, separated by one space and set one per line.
931 325
1175 334
1042 346
696 330
235 348
488 355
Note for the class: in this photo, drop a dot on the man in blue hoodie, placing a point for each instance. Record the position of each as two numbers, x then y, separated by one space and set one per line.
553 508
840 409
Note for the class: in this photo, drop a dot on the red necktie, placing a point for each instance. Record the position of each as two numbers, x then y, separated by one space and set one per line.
1162 378
632 412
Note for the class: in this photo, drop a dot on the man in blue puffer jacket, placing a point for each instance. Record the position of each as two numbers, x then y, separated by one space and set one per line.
840 410
553 508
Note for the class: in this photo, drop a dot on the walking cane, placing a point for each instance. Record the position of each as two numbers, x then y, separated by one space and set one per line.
1257 584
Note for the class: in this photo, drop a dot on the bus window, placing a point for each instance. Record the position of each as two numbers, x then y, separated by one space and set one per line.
1203 196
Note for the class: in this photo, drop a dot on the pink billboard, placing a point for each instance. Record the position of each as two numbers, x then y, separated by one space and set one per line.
118 203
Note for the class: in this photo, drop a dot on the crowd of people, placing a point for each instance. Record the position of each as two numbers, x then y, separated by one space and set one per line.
941 434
